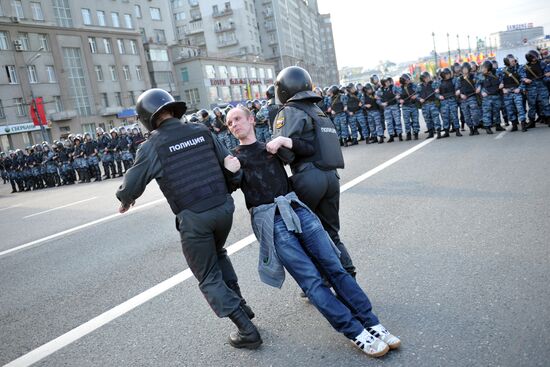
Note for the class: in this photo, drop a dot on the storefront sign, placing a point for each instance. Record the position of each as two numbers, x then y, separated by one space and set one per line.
19 128
516 27
217 82
237 81
255 81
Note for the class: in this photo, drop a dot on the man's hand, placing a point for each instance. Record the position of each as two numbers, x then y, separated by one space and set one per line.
463 96
422 100
441 98
401 101
384 104
231 163
280 141
527 81
125 207
517 90
484 94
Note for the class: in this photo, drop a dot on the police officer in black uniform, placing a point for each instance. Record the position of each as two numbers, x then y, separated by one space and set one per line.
314 178
188 164
272 106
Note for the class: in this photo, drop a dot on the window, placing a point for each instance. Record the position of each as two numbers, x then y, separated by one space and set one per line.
192 96
4 41
243 72
86 16
233 73
89 128
19 106
133 47
62 13
44 43
128 21
58 103
112 71
137 11
118 99
159 35
223 72
236 94
1 11
77 81
225 94
36 10
180 15
155 13
12 74
139 75
126 72
253 72
132 98
33 77
270 73
107 46
50 71
143 35
158 55
120 44
213 94
104 100
98 73
18 8
184 75
24 39
261 73
93 45
114 19
210 71
101 18
2 113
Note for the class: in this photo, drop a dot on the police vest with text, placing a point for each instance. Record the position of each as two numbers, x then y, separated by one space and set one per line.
328 154
192 177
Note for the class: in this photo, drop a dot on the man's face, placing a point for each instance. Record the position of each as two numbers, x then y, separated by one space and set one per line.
239 124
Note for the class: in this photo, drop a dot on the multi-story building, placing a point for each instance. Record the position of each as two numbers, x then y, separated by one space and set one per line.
209 81
516 35
330 65
291 35
217 27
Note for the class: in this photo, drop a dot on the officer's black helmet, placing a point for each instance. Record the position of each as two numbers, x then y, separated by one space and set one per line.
506 60
194 118
333 90
466 65
404 78
292 80
532 55
487 65
256 102
153 101
444 72
270 92
368 87
495 64
203 113
350 86
374 79
425 76
217 110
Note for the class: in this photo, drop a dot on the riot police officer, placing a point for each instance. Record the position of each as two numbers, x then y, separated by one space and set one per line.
314 177
188 163
272 106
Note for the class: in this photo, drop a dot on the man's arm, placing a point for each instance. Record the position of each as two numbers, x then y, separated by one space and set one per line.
146 167
221 153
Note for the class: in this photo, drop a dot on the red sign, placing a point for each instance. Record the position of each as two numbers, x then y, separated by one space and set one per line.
237 81
37 105
217 82
255 81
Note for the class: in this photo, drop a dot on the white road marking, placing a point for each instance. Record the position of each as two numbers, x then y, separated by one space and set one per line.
77 228
59 207
9 207
499 136
84 329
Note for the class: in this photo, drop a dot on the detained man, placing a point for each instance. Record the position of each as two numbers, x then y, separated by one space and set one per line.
292 237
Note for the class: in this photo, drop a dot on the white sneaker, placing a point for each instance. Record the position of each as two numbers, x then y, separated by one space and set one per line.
379 331
370 345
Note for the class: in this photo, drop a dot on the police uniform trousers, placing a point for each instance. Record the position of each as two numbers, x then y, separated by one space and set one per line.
470 108
375 122
410 117
537 98
449 113
203 237
392 116
513 102
320 191
490 107
430 112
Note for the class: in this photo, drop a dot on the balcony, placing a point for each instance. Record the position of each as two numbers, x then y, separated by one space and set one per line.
63 115
227 43
223 13
194 28
110 111
225 28
268 13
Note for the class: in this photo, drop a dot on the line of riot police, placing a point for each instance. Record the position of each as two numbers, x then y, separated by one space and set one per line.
464 94
74 159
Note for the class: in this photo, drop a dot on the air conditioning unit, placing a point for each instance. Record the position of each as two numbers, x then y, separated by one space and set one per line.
14 19
17 45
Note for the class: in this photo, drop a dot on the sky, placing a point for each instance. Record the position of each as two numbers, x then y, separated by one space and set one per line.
367 31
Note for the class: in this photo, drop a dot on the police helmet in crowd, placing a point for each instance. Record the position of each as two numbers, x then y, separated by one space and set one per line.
425 76
203 114
507 59
292 80
532 55
445 72
467 66
374 79
369 87
153 101
270 92
333 90
404 78
487 65
194 118
217 111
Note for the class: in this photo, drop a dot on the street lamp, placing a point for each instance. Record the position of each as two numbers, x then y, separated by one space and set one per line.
449 48
458 46
435 52
33 102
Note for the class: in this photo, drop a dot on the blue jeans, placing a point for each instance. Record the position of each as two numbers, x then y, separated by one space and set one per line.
308 254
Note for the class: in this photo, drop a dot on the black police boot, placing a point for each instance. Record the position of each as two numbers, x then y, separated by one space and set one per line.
341 142
354 141
234 286
415 136
445 135
458 132
380 140
87 176
476 132
523 126
430 134
409 137
532 124
489 131
400 137
452 130
471 131
499 128
390 140
514 125
247 336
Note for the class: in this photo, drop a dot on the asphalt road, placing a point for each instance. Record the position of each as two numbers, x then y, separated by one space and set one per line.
451 244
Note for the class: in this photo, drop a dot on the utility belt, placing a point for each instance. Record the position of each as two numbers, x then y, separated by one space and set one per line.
303 167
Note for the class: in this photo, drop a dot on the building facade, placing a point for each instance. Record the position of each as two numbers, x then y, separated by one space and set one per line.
330 65
516 36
